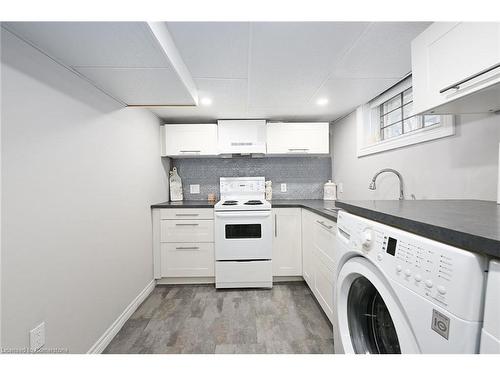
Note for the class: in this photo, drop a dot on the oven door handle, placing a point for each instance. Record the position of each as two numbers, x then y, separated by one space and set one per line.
243 214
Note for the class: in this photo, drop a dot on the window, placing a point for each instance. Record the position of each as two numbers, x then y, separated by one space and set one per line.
396 116
388 122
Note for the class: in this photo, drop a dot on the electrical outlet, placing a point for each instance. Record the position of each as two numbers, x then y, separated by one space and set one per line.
341 187
194 189
37 337
283 188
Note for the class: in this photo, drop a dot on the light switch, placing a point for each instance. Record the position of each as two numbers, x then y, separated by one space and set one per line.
283 188
194 189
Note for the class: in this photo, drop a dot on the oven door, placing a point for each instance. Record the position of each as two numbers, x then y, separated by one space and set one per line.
243 235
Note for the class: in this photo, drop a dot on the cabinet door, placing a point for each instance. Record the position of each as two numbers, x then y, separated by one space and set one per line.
447 53
298 138
189 139
308 247
287 242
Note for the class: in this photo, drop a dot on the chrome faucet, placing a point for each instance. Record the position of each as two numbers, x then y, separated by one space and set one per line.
373 186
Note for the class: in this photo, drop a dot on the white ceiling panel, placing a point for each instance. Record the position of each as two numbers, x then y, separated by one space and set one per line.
382 52
114 44
138 86
213 49
345 94
290 60
228 101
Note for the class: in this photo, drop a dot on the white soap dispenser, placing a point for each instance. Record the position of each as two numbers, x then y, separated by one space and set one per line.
330 191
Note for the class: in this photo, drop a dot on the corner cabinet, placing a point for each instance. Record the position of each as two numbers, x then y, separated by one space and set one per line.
456 68
287 242
298 138
189 140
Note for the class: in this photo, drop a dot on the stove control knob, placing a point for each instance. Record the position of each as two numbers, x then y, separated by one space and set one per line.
418 277
428 283
407 272
399 269
380 257
441 289
367 239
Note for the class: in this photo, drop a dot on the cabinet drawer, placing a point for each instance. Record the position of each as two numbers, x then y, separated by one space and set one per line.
186 213
324 237
187 260
186 230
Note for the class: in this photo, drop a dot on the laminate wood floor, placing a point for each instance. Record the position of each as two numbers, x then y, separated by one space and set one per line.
201 319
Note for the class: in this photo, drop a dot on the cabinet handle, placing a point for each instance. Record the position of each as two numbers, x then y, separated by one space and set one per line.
190 151
186 224
187 248
457 84
275 225
187 214
298 149
324 225
241 143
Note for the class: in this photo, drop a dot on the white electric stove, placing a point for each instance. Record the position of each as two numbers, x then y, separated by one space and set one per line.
243 234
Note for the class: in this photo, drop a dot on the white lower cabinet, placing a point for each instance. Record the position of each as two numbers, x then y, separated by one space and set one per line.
308 247
187 259
183 246
287 242
318 246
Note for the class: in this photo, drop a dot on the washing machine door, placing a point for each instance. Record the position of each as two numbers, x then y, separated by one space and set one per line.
370 318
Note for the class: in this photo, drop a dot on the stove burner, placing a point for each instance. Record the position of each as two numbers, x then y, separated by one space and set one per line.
253 202
230 203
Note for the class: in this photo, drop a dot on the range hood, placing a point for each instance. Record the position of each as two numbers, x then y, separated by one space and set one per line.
241 137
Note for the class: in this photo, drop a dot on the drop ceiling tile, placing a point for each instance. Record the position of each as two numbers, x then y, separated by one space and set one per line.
138 86
228 101
213 49
382 52
345 94
112 44
290 60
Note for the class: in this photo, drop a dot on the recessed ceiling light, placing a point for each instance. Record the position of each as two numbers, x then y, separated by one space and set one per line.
206 102
322 101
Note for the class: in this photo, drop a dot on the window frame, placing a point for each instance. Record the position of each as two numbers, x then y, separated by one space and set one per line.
368 125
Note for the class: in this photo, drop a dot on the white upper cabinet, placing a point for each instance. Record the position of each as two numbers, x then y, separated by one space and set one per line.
456 68
298 138
184 140
242 136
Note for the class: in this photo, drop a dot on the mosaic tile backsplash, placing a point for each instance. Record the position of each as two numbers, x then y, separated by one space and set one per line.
304 176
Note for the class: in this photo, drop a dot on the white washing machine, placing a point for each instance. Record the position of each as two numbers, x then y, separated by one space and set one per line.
397 292
490 335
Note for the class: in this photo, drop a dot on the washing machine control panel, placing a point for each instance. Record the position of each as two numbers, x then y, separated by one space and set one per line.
451 277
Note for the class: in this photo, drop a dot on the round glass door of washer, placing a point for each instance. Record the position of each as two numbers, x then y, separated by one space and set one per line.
370 323
369 316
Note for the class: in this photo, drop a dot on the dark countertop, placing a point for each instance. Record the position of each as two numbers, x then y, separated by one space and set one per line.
184 204
318 206
472 225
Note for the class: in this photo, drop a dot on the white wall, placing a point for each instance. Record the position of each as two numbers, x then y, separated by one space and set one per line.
463 166
78 176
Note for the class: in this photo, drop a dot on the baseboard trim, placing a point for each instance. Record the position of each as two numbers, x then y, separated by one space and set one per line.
115 327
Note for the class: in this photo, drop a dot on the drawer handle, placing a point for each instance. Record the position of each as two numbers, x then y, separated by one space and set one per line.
456 85
187 224
324 225
187 248
187 214
298 149
191 151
